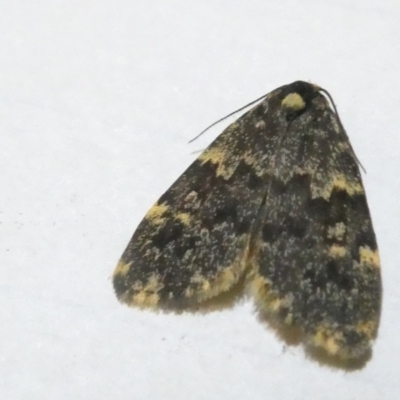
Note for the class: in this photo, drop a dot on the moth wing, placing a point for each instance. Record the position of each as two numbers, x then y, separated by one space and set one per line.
317 263
193 243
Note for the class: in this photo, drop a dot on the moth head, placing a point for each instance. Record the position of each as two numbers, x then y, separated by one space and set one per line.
297 98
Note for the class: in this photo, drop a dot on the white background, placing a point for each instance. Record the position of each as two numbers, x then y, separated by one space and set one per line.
98 99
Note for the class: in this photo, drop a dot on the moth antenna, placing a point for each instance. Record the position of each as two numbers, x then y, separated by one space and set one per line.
227 116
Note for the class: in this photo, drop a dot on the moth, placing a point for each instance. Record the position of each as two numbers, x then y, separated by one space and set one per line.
276 198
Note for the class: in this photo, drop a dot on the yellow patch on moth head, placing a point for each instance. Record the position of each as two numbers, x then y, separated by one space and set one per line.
369 257
293 101
122 268
336 251
184 218
155 214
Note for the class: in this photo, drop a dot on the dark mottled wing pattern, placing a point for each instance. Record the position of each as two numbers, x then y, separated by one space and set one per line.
317 264
278 196
193 243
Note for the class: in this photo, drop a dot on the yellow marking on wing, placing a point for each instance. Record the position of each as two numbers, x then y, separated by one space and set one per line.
268 300
218 156
368 328
337 182
203 288
367 256
336 251
337 231
206 286
143 299
259 287
148 296
335 343
341 182
156 212
294 101
328 340
226 278
184 218
276 304
122 268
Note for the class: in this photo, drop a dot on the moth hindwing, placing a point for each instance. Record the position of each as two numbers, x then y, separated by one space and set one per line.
277 197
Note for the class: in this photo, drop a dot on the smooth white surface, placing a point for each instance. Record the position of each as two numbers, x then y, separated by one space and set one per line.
97 102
